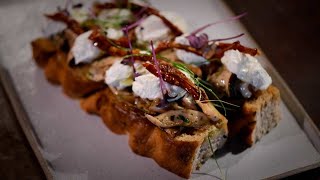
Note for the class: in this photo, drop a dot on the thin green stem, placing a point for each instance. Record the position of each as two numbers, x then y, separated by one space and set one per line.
225 102
214 157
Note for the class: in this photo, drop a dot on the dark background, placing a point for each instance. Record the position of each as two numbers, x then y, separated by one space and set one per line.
286 30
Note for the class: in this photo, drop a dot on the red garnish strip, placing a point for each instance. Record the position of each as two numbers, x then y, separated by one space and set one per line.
98 7
223 47
168 45
101 41
157 66
71 23
175 77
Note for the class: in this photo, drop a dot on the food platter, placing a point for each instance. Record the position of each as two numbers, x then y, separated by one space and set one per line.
71 144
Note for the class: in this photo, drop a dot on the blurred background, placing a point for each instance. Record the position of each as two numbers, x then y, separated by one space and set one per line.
287 32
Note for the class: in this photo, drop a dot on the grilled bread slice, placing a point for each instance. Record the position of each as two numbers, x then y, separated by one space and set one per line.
73 79
181 153
258 116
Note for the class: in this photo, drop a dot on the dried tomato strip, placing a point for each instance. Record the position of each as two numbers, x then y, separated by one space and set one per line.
174 76
223 47
71 23
168 45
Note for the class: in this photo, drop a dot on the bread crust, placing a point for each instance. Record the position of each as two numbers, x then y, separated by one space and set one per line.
177 155
43 49
145 139
73 80
259 115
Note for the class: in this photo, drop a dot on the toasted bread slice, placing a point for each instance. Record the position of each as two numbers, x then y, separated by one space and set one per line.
43 49
259 115
180 154
74 80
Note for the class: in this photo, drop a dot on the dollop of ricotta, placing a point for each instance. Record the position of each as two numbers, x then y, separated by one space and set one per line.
153 28
147 86
188 57
247 68
83 49
119 75
114 33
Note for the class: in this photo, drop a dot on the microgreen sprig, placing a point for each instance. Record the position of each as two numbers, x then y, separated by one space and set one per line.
214 157
126 32
224 39
199 82
157 65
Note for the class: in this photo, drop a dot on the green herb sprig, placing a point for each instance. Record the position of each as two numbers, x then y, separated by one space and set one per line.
204 85
214 157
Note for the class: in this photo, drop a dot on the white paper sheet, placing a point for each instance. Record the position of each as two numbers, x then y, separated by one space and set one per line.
79 146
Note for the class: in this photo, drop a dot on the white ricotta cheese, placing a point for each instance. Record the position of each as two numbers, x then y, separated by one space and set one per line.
119 75
83 49
147 86
247 68
153 28
188 57
114 33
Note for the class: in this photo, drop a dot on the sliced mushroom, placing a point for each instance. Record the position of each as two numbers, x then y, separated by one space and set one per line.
98 68
210 111
221 79
186 117
188 102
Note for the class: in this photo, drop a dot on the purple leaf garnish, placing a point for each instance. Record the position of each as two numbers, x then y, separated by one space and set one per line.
218 22
224 39
126 32
142 10
133 25
156 63
198 41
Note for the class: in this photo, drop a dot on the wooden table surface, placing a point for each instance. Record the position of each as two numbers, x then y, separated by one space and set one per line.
287 31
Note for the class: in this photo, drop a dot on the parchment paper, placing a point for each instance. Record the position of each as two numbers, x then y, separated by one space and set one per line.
79 146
